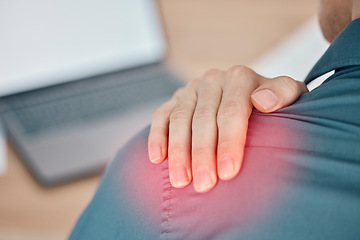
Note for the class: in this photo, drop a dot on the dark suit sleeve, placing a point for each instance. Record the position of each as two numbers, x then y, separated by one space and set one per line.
300 180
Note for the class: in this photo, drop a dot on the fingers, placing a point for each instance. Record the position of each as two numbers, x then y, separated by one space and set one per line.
204 131
232 119
179 146
277 93
159 130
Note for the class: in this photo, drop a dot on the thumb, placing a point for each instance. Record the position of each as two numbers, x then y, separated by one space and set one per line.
277 93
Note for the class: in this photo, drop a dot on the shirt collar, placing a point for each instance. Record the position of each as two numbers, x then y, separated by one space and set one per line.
344 51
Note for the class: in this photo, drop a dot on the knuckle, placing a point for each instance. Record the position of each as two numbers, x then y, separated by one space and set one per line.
212 73
179 92
159 113
291 84
239 70
235 93
193 83
204 111
228 110
180 112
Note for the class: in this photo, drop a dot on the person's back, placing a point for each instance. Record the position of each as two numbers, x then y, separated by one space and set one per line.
300 178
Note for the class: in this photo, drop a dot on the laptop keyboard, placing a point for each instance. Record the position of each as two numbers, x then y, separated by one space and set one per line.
88 100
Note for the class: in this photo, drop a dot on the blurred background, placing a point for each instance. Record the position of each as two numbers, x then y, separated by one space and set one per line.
205 34
201 35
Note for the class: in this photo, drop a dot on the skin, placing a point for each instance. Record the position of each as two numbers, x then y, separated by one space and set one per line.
202 128
334 15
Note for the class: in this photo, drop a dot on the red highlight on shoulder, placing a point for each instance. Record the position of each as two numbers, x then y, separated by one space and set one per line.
241 203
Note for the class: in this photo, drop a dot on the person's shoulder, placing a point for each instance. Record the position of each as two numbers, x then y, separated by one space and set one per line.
324 121
127 202
336 99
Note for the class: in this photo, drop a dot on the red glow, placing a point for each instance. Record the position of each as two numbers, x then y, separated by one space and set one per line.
238 203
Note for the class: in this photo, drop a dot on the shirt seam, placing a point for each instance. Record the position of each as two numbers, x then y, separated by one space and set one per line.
166 210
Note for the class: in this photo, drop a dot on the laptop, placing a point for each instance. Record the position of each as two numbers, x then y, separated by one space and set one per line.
78 79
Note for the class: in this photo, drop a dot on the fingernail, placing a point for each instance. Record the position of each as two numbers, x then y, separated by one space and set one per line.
179 177
226 168
155 154
265 98
203 180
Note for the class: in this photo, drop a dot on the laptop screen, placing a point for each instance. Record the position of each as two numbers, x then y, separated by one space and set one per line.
48 42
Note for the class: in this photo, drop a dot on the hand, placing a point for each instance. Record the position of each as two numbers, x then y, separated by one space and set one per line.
202 128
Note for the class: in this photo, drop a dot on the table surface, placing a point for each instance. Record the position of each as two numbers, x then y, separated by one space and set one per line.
202 34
